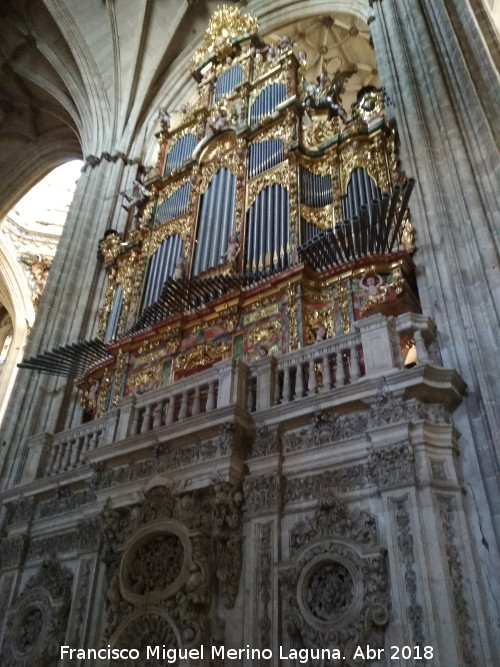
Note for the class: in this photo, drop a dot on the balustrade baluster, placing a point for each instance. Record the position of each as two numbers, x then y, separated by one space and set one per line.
52 459
422 354
95 440
277 396
354 371
75 446
158 415
210 396
146 420
58 462
299 381
327 380
134 430
250 394
312 384
196 409
85 445
184 405
169 419
286 384
339 370
67 454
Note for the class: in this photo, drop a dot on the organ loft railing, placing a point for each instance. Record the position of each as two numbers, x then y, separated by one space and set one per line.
273 218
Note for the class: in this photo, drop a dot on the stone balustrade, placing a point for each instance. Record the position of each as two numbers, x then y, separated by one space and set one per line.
373 349
69 448
217 387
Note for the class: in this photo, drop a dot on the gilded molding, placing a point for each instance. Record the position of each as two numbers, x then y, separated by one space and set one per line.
202 355
144 377
321 130
280 174
281 130
343 301
226 24
267 331
321 217
260 313
183 226
293 310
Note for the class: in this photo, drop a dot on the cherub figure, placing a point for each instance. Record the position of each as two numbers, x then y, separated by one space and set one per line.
320 333
164 117
284 44
138 197
233 250
179 271
371 284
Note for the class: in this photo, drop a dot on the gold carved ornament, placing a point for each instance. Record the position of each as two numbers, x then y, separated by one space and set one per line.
278 175
119 373
283 129
110 247
320 217
226 24
233 161
370 106
202 355
293 310
293 196
171 188
320 166
321 130
103 392
315 318
141 379
230 319
281 77
369 155
260 313
343 301
264 332
108 302
183 226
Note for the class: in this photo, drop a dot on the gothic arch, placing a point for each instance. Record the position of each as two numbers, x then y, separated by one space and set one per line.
16 297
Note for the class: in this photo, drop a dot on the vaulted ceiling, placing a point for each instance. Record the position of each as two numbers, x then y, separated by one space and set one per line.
83 78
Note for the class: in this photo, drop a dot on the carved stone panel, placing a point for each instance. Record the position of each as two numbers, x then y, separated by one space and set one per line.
334 588
37 621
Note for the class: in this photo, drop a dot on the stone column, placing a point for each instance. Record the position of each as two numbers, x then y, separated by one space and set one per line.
69 307
437 70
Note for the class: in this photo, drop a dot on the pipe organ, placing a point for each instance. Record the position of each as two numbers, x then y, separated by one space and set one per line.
271 213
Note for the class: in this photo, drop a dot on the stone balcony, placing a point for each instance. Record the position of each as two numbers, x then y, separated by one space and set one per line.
340 375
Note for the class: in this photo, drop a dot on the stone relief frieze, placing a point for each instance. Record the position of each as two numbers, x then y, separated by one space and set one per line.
22 511
230 440
227 526
334 519
267 441
13 551
405 545
263 493
84 538
392 466
341 480
385 409
65 500
466 634
324 428
334 589
265 579
37 620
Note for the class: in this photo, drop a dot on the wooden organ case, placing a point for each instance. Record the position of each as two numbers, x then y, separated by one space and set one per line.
273 218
